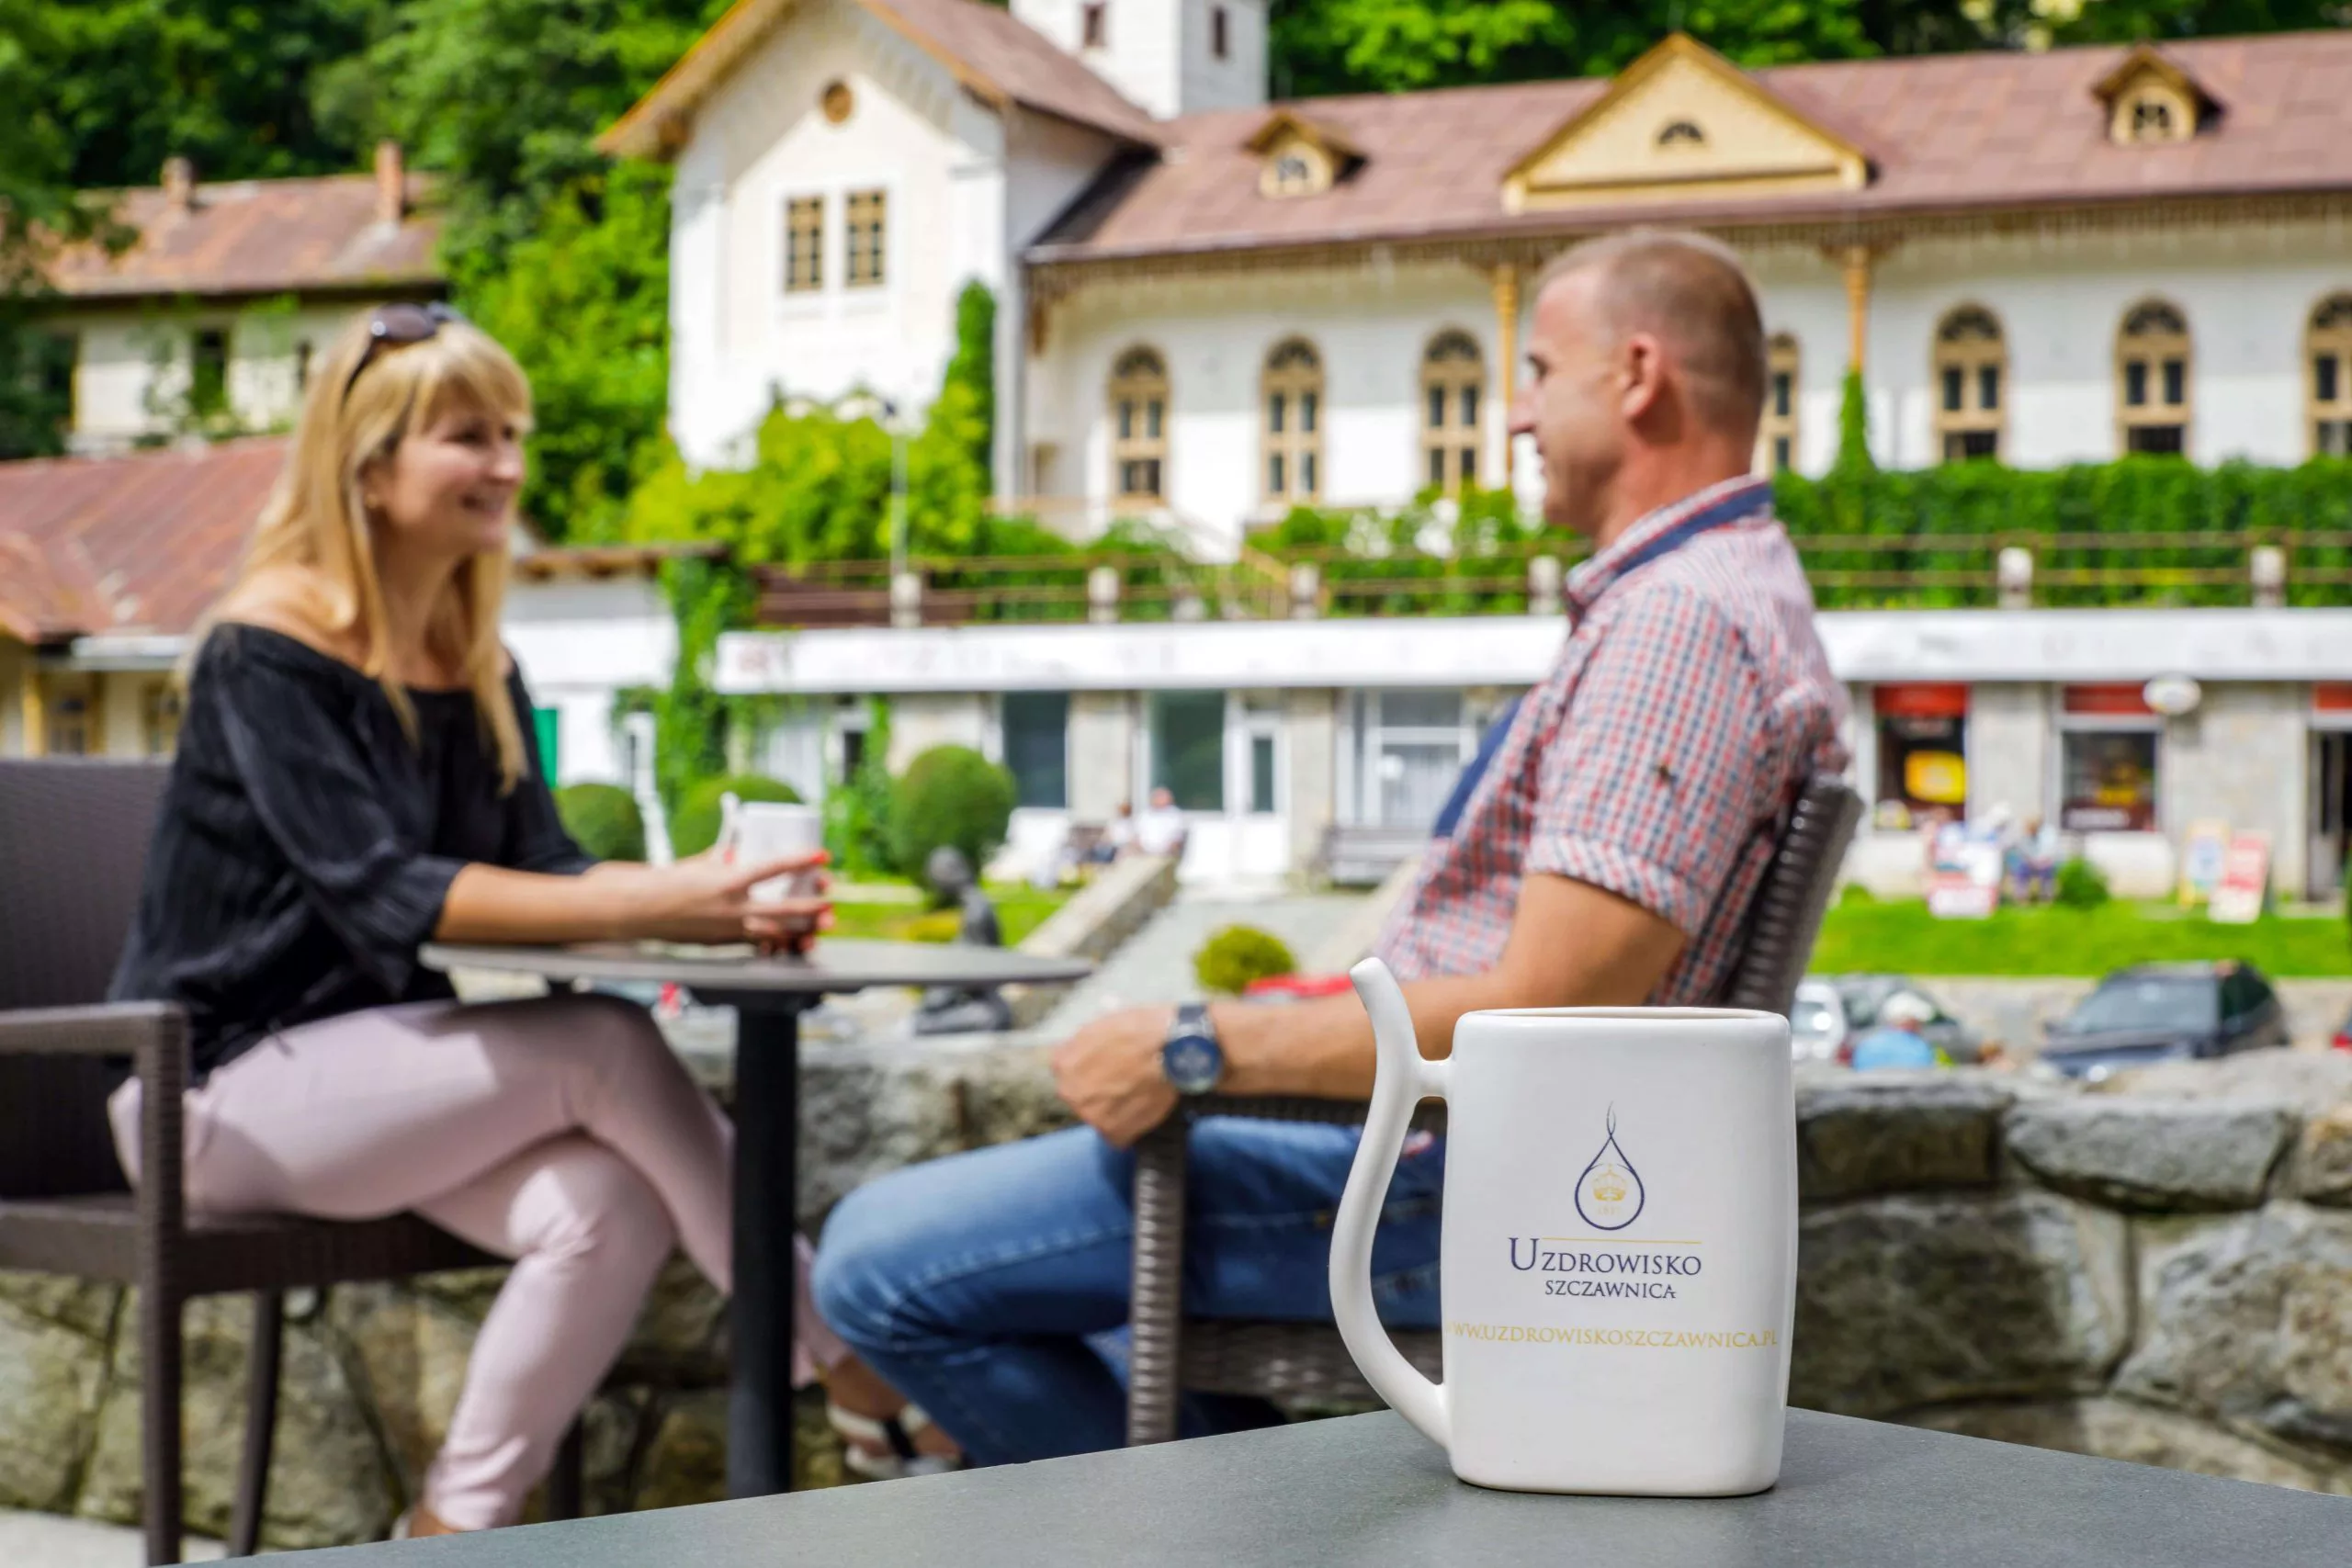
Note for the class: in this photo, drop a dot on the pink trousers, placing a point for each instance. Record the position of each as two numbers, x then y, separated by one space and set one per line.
559 1132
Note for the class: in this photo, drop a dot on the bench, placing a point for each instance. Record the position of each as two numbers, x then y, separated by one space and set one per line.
1353 855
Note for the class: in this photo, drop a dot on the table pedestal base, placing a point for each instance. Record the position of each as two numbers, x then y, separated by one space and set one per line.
767 1127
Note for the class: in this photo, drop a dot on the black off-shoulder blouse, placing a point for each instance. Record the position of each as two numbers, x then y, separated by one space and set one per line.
306 843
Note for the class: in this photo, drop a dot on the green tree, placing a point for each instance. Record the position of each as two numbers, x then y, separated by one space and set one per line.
505 97
225 82
38 208
974 365
1853 429
583 304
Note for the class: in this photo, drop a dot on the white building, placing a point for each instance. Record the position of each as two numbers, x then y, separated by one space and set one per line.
207 322
1212 306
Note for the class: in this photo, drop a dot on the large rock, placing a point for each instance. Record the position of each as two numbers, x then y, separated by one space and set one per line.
1925 1299
2120 1428
330 1481
405 1349
1887 1132
51 1377
2248 1319
2136 1153
2323 1159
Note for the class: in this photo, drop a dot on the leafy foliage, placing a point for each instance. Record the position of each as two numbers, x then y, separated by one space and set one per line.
857 817
1853 459
974 367
1237 955
952 796
2081 886
694 828
603 820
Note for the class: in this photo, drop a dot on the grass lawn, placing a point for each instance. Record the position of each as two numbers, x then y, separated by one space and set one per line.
1020 909
1863 936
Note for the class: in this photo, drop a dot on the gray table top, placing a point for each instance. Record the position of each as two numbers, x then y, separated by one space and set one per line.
1369 1489
831 967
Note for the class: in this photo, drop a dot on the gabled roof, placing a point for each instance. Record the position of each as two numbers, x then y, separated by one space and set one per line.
260 237
1288 123
1966 133
133 544
998 58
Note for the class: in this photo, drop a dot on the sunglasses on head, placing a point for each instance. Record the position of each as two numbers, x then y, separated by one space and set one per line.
397 326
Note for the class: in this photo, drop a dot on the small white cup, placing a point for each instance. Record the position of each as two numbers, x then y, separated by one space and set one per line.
751 831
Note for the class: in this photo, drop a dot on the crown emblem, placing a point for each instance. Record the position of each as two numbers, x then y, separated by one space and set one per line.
1609 1187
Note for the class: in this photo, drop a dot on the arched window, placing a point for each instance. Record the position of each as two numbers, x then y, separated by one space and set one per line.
1681 133
1971 384
1293 436
1776 435
1139 426
2151 405
1454 385
2331 382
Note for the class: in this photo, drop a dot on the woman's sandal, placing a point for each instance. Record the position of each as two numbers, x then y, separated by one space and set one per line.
893 1433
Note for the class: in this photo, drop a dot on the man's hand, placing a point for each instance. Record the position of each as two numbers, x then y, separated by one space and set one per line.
1109 1073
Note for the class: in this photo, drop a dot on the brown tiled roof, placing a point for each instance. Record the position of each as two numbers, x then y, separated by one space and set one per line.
1959 132
125 545
995 54
260 237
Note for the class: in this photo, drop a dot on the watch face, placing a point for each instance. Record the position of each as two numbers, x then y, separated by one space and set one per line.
1191 1063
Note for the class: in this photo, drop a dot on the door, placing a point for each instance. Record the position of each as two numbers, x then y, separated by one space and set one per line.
2331 809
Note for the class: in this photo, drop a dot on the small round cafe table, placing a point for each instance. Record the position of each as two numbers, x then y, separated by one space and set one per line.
768 994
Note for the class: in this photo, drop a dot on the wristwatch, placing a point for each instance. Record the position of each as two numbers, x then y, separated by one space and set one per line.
1191 1061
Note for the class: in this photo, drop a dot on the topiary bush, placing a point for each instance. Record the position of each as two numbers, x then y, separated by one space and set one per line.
603 820
2082 885
949 794
695 827
1233 957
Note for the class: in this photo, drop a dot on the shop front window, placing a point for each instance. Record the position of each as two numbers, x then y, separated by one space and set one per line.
1188 748
1036 747
1922 754
2107 760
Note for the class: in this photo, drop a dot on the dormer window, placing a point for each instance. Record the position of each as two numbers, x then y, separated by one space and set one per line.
1681 134
2151 102
1298 158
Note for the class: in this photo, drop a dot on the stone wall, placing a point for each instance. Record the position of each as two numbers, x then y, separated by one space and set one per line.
2162 1275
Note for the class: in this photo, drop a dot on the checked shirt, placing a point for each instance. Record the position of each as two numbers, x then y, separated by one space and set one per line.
1656 757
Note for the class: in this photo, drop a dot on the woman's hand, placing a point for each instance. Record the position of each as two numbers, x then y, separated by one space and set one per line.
706 900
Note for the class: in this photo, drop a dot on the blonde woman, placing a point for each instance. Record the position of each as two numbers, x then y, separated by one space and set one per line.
356 775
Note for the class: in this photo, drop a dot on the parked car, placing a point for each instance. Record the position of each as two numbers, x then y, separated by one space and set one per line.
1840 1008
2167 1012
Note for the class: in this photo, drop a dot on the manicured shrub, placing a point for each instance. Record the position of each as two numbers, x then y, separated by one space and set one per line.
935 925
2082 885
602 820
1233 957
695 827
949 794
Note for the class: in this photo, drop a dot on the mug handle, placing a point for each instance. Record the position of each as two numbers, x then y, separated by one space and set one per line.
1401 1079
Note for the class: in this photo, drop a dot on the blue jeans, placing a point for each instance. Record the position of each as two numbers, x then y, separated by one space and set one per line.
980 1285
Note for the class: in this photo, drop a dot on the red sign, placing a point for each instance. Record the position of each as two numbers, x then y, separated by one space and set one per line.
1946 699
2121 699
2332 697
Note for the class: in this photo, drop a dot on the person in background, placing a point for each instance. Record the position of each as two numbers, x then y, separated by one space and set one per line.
1899 1038
2037 861
1161 830
1602 850
1118 836
357 775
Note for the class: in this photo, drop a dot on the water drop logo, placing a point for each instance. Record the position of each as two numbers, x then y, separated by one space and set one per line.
1608 1194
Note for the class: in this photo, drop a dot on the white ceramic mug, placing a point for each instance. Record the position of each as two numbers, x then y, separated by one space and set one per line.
1617 1266
751 831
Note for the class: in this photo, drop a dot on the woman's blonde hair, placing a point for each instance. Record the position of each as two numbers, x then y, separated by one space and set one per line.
315 517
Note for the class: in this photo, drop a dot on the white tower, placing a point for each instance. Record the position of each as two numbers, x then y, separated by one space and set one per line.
1171 57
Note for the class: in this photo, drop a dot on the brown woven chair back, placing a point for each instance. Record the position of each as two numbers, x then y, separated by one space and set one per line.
74 840
1786 915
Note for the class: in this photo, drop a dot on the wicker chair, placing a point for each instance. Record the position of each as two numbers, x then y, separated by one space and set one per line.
1172 1353
72 845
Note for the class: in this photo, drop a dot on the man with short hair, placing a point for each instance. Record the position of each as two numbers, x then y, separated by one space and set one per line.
1602 850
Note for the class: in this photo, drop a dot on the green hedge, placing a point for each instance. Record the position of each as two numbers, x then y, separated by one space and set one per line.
695 827
949 794
603 820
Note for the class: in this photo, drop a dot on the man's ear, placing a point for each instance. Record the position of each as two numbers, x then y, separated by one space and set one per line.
1642 365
